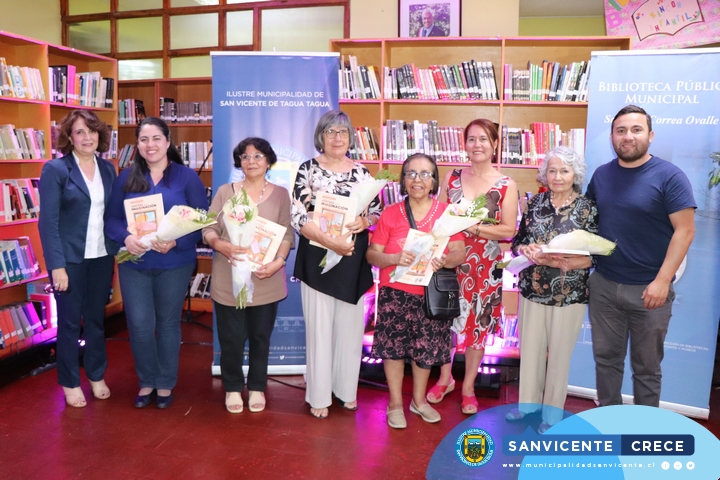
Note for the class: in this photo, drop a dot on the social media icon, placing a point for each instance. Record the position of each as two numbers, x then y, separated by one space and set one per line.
677 465
690 465
665 465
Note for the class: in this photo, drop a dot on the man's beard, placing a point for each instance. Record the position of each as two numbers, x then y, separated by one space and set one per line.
630 156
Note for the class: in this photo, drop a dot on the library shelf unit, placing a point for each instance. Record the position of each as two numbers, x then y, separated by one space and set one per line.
38 114
423 52
517 51
181 90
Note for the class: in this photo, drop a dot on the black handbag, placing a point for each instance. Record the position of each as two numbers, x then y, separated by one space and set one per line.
442 294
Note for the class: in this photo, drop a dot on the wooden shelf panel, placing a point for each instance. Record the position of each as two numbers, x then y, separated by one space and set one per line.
199 305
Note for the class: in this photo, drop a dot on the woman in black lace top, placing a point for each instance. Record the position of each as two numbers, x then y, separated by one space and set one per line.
554 292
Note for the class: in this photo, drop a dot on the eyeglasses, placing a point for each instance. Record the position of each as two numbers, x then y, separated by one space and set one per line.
413 175
257 157
332 133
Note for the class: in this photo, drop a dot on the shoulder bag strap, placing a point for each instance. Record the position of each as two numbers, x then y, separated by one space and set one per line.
409 214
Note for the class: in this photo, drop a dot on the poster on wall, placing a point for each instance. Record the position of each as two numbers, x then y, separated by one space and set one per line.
686 123
664 23
279 97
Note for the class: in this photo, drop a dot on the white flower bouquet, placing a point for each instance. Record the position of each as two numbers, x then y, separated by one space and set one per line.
364 192
578 240
240 218
455 219
178 222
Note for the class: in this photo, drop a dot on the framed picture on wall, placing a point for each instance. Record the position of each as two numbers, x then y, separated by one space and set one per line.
428 18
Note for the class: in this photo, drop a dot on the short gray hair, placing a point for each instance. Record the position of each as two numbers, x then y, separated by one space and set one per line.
330 119
569 157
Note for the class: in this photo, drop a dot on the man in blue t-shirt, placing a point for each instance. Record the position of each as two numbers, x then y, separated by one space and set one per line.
646 205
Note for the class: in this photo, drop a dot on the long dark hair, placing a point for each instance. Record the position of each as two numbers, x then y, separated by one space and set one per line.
137 183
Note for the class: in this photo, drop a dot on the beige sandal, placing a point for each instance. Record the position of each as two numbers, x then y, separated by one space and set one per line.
233 402
100 390
256 402
74 397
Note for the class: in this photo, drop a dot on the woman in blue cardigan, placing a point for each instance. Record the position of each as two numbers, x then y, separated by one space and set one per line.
154 288
75 192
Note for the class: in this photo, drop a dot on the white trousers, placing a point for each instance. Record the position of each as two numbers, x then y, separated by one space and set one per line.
547 340
333 338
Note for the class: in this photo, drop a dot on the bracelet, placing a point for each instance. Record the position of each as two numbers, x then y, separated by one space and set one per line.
283 259
477 230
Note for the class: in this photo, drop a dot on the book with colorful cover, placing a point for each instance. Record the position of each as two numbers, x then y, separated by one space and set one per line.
332 214
144 214
422 271
265 243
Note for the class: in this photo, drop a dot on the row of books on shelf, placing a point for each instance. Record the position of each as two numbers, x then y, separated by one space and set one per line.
131 111
194 153
549 82
185 112
200 285
21 143
21 320
20 82
509 336
19 199
88 89
17 261
366 145
469 80
444 144
528 146
357 82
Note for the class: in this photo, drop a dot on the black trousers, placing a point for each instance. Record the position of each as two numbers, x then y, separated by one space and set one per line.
234 327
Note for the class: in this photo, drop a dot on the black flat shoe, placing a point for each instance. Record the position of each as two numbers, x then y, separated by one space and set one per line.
164 402
142 401
345 404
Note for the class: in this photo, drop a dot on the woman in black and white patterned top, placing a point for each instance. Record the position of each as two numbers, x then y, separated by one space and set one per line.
333 304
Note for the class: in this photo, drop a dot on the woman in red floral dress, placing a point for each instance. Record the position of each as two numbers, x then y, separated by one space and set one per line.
480 279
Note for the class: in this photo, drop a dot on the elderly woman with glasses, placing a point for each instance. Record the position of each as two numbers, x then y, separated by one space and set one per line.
254 323
402 330
333 304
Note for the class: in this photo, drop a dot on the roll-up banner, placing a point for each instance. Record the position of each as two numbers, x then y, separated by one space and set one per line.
680 89
279 97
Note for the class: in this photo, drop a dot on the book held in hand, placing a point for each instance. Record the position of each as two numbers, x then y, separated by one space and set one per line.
144 214
332 214
422 271
265 243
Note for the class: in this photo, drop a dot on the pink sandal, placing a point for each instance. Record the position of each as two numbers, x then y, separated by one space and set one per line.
438 392
469 404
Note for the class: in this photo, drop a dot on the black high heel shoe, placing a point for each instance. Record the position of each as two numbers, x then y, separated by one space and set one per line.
142 401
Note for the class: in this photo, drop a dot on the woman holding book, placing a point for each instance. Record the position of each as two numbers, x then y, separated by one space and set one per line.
333 304
480 279
76 191
154 288
255 322
402 330
553 291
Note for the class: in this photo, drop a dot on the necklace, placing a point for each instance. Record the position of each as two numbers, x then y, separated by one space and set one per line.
564 204
428 216
242 185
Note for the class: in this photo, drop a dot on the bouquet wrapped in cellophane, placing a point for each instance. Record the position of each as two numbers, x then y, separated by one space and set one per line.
456 218
178 222
580 240
240 218
364 192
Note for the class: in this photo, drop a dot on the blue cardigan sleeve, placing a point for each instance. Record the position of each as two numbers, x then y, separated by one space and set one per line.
115 223
196 198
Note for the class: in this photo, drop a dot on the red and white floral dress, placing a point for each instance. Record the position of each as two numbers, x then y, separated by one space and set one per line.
480 279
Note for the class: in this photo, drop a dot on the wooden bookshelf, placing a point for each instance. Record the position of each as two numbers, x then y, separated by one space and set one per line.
38 114
423 52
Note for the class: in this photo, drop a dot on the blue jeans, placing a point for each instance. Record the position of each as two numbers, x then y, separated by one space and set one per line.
153 301
88 293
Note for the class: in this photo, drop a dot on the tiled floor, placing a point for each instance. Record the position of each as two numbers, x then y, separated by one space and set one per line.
41 438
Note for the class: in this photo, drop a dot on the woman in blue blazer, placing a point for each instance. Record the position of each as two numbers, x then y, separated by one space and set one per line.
75 190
